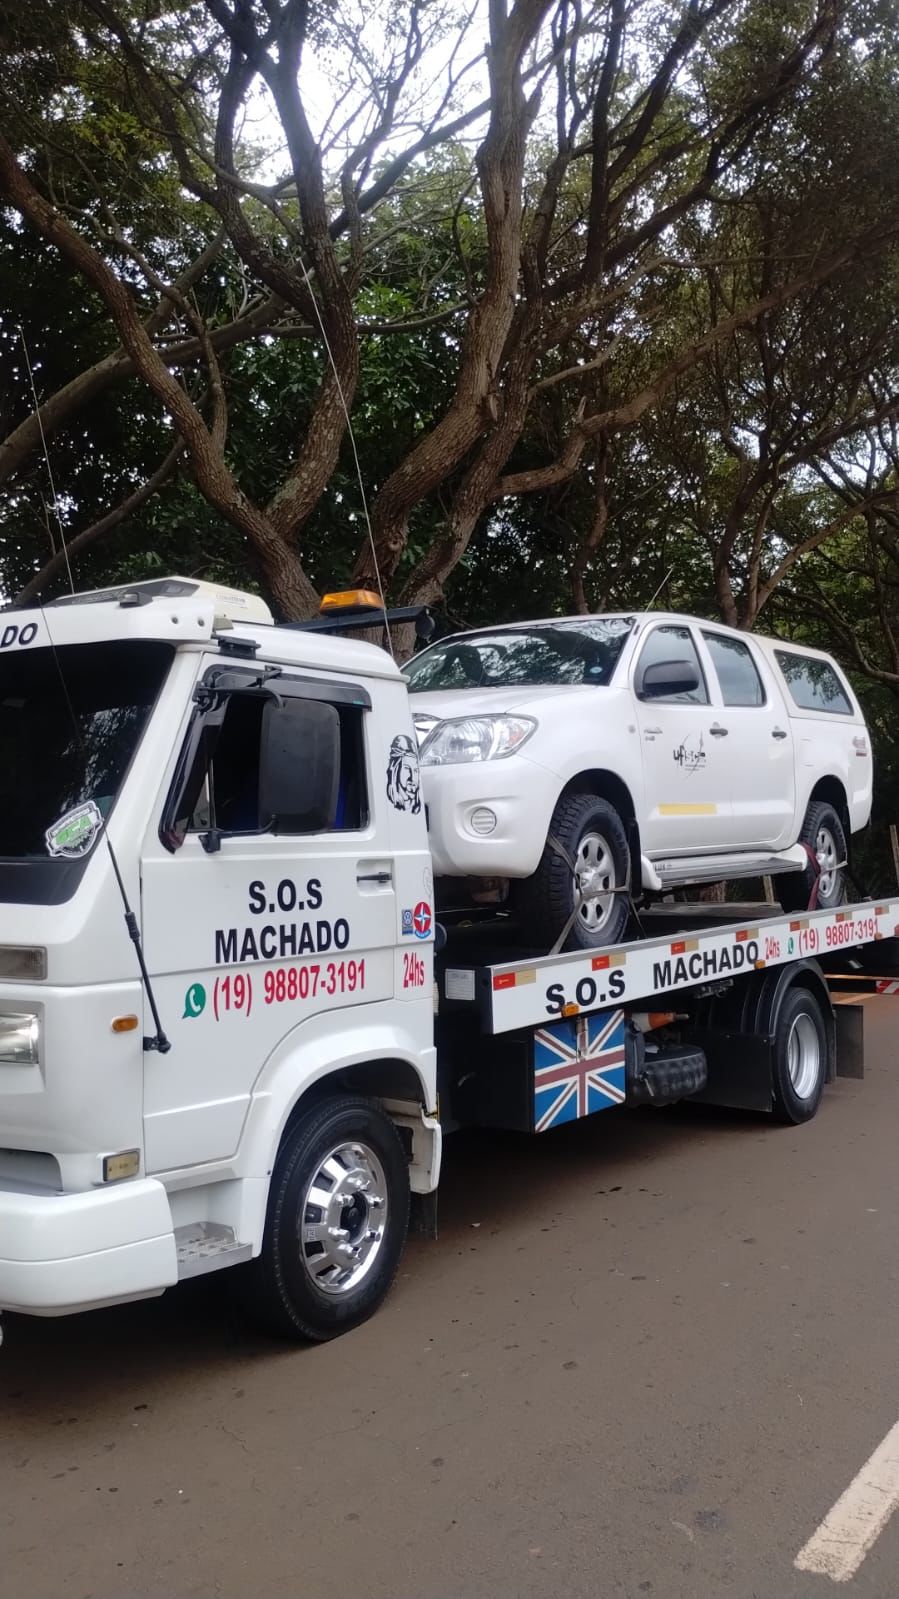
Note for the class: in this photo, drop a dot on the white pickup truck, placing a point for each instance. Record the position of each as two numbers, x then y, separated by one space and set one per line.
565 760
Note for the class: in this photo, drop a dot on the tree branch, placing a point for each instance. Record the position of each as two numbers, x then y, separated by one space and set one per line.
112 519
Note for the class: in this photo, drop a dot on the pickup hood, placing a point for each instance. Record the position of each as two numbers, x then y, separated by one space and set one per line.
528 701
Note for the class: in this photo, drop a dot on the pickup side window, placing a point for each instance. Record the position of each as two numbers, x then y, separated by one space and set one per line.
222 785
813 684
737 672
670 643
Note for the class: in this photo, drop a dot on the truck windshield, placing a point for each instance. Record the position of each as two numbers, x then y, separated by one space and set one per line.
69 726
558 652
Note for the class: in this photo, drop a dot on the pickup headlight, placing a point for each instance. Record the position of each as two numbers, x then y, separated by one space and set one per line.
19 1034
476 738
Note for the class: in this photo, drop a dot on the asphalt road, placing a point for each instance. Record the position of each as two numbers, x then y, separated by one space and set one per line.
645 1357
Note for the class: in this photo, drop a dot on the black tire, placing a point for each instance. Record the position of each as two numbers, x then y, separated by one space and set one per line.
801 1042
278 1289
547 899
795 889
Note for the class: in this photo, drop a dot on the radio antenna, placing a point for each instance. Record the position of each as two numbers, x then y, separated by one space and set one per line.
37 416
666 579
346 411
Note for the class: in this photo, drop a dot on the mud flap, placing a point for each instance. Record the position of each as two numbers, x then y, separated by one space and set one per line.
740 1067
423 1215
850 1041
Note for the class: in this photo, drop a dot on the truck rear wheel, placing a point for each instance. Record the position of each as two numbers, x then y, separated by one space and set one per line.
800 1057
337 1219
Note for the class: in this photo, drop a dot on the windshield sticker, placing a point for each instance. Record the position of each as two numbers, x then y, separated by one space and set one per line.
403 781
74 833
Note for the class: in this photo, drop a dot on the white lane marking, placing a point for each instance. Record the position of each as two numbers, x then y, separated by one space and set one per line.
859 1516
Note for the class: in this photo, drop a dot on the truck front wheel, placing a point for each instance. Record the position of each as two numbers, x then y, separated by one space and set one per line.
337 1219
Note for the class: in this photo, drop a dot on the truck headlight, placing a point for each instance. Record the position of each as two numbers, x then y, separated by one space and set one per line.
475 738
19 1034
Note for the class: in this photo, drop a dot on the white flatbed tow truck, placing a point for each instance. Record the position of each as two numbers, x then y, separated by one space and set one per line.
227 1036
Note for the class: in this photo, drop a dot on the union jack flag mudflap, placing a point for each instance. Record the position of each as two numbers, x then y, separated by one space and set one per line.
579 1068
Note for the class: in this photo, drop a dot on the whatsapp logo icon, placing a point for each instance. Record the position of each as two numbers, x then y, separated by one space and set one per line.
194 1001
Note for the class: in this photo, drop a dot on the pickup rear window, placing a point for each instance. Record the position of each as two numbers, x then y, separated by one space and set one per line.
813 684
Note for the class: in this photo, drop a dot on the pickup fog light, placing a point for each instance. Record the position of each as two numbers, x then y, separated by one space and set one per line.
482 821
475 738
19 1034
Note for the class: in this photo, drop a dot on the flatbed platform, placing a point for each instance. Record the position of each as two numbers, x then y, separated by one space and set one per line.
691 946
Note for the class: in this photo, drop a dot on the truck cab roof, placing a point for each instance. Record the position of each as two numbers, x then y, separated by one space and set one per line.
188 614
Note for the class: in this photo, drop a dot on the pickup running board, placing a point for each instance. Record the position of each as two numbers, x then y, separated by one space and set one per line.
681 871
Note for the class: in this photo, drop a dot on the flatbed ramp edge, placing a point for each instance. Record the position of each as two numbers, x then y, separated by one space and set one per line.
529 992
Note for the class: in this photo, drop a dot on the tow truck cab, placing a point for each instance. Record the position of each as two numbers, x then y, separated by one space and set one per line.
249 794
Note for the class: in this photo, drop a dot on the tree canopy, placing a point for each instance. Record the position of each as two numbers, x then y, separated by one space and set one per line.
534 305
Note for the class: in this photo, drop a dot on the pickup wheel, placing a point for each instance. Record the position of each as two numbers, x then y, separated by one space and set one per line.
800 1057
586 854
823 833
338 1213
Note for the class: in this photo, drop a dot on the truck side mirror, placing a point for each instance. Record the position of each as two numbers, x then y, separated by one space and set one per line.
299 766
663 679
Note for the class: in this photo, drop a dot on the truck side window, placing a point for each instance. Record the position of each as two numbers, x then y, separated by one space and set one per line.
737 675
669 643
222 788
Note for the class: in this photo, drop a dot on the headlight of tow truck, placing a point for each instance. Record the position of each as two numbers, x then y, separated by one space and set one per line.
476 738
19 1034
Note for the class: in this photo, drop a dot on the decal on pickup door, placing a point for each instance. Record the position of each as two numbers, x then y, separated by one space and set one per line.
690 757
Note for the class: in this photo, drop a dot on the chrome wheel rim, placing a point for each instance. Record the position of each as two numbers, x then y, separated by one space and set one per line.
804 1056
594 880
343 1218
828 861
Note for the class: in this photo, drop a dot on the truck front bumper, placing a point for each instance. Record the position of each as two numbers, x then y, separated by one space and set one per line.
66 1252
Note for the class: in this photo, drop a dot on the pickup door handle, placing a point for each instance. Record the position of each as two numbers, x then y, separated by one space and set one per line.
374 877
717 731
778 732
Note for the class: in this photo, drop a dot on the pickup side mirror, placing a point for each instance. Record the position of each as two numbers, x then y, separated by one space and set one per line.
299 766
663 679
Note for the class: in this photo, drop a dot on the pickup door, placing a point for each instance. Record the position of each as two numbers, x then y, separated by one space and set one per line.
758 736
686 759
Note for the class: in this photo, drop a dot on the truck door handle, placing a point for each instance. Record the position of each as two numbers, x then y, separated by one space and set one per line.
717 731
778 732
374 877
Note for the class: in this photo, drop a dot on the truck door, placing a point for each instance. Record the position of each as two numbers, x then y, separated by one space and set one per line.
685 766
267 894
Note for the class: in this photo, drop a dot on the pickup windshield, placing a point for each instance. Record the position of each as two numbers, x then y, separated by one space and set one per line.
558 652
69 726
